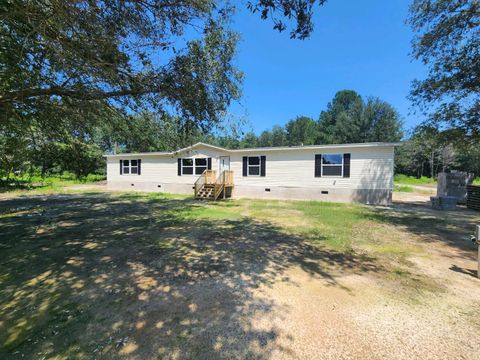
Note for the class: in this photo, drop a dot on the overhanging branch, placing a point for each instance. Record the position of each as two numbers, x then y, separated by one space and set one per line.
63 92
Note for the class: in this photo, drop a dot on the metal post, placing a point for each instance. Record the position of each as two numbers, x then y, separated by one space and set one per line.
477 238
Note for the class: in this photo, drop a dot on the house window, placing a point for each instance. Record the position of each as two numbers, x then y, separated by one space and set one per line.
133 166
194 166
253 166
200 166
332 165
187 166
130 167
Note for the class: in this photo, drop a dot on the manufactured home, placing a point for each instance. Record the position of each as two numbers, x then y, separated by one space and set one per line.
345 173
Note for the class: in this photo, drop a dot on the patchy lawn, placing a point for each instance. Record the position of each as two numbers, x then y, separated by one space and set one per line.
150 275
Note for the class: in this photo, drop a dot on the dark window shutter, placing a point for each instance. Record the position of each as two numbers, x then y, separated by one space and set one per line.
263 165
121 167
346 165
179 167
139 172
318 165
209 163
245 160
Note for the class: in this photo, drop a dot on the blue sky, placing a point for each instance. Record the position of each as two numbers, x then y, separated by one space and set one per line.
358 45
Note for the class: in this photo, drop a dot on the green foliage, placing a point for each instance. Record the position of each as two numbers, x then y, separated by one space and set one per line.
340 122
265 139
348 119
58 53
430 150
250 140
301 130
35 182
448 42
279 136
280 11
75 73
81 158
412 180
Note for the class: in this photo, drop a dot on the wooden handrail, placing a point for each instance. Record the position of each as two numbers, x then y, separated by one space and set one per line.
219 183
228 177
210 176
207 177
223 180
199 184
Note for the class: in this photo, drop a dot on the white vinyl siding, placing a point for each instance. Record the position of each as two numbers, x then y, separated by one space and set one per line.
370 168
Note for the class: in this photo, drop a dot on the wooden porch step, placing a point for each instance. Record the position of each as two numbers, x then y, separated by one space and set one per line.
206 187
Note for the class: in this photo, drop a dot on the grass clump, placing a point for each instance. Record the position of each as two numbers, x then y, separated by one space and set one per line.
412 180
402 188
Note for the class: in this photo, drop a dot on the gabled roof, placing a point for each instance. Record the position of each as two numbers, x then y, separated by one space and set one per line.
261 149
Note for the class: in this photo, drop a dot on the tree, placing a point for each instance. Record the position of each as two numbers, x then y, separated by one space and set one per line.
128 55
81 158
279 137
339 123
301 131
430 150
300 11
250 140
348 119
265 139
448 41
13 151
381 122
467 157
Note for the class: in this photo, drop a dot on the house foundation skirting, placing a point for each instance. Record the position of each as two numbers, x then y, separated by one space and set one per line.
366 196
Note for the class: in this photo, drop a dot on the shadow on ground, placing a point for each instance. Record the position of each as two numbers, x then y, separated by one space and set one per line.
452 228
102 276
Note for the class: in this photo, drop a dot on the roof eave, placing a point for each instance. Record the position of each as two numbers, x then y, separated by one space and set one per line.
280 148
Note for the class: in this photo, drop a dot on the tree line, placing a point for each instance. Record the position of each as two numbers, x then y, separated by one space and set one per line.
79 145
348 118
80 78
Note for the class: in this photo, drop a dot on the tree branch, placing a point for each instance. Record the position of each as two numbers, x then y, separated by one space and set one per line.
59 91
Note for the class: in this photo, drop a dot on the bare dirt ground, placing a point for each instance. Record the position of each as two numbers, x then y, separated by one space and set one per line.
103 276
367 318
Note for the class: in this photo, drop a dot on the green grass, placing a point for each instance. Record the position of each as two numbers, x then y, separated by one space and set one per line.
49 184
403 188
424 180
412 180
317 221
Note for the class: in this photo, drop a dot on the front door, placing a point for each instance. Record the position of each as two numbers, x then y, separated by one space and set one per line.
224 163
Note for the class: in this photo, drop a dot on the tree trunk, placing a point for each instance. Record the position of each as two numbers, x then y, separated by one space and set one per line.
432 161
